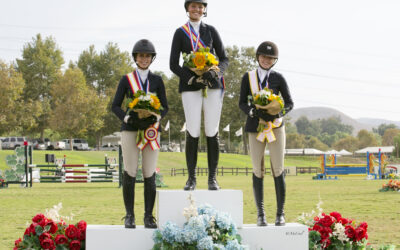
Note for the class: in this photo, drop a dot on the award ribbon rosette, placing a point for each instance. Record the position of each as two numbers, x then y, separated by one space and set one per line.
150 138
273 104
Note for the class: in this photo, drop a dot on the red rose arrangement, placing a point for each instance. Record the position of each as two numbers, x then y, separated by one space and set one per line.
336 232
44 233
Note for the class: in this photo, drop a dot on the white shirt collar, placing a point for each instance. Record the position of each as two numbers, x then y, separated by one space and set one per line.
195 25
262 73
143 73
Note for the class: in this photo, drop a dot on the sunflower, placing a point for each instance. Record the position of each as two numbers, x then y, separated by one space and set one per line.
155 102
133 103
199 60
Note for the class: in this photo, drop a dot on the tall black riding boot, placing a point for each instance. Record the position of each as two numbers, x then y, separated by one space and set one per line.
280 189
212 157
258 190
191 161
128 191
149 198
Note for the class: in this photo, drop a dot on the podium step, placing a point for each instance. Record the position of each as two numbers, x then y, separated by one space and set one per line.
170 204
290 237
108 237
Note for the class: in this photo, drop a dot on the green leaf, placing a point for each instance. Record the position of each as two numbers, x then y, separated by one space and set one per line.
38 230
61 247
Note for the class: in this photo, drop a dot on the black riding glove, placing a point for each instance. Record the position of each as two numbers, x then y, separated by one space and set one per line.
211 77
144 123
133 119
196 83
187 74
264 115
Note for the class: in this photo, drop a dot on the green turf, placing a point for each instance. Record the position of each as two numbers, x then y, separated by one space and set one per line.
101 203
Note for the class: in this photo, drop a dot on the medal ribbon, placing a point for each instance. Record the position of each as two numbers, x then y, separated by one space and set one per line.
140 83
133 82
194 38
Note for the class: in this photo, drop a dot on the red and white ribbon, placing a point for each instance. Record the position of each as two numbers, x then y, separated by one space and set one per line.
150 138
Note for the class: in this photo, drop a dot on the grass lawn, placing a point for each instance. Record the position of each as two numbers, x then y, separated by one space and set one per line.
101 203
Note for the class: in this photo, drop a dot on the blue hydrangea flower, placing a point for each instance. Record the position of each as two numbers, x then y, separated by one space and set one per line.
207 209
218 246
205 243
189 236
157 236
169 231
233 245
223 220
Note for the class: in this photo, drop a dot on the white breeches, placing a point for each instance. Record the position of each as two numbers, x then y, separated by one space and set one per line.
130 153
193 103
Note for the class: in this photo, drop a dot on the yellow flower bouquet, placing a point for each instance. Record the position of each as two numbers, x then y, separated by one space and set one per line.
266 99
200 62
146 105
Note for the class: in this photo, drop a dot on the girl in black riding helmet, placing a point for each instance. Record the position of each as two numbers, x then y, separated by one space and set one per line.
252 82
141 79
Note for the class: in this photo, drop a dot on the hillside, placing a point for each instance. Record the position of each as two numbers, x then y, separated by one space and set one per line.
314 113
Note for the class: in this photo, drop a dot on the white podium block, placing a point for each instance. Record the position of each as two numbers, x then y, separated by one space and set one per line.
106 237
288 237
170 204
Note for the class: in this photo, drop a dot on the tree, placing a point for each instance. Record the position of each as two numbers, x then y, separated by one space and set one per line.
14 110
333 125
77 108
103 72
295 140
289 127
396 145
314 142
40 66
366 139
349 143
383 127
330 139
389 135
240 61
175 114
307 127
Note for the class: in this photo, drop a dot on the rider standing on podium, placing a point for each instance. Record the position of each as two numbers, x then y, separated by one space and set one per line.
195 34
143 79
254 81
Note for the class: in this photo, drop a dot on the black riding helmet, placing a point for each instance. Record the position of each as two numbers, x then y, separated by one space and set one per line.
144 46
204 2
269 49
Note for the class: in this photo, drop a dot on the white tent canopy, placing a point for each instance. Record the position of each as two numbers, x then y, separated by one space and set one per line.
375 150
344 152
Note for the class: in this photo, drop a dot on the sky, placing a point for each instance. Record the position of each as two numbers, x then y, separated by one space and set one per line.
342 54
